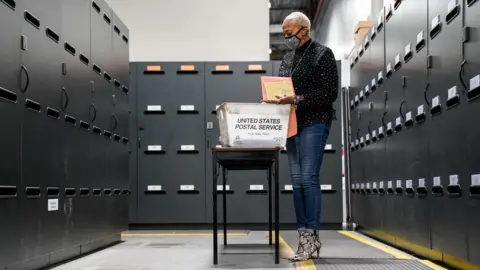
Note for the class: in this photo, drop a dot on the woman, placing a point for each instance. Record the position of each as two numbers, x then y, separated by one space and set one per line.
313 70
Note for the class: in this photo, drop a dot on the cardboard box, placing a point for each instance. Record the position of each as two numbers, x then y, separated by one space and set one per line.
361 29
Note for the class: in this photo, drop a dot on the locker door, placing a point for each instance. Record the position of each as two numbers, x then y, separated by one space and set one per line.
356 177
172 133
445 130
395 36
132 145
10 176
414 138
10 16
471 109
374 125
237 84
76 97
41 54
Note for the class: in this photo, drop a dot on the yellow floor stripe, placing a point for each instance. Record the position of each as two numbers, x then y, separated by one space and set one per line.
178 234
287 251
397 254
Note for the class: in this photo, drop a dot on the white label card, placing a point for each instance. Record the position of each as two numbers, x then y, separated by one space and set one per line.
356 98
420 110
374 133
356 142
435 101
419 37
357 186
476 180
220 187
408 48
374 185
353 186
361 140
451 5
389 125
389 67
374 83
325 187
154 148
52 205
409 184
361 94
381 184
437 181
367 137
475 82
351 102
362 186
368 185
408 116
421 182
187 108
187 187
290 187
453 180
380 75
399 183
154 188
219 146
435 22
367 88
380 130
380 19
256 187
187 147
154 108
398 121
328 147
390 184
397 59
452 92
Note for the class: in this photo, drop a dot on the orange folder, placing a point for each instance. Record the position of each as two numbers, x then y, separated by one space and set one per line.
280 86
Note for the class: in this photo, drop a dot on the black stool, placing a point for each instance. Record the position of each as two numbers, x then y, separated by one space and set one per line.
230 158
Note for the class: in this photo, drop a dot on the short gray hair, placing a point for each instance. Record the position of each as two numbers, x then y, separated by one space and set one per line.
300 18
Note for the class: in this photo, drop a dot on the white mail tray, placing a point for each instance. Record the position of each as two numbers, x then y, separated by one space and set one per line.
253 124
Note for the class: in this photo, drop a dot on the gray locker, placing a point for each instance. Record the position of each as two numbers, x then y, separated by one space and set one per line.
446 131
133 145
236 82
471 185
414 137
171 127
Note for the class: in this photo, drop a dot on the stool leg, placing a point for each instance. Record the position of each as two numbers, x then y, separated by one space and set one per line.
270 191
224 206
215 218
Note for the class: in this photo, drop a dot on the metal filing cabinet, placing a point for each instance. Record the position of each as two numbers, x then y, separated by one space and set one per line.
471 76
236 82
446 128
171 167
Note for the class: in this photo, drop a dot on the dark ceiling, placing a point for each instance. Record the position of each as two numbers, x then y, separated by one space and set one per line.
279 9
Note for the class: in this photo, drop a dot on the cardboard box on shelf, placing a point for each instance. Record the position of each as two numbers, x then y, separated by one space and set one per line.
361 29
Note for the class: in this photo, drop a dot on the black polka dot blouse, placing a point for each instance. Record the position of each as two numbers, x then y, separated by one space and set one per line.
313 70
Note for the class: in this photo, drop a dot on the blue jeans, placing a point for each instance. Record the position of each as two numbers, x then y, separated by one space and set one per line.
305 155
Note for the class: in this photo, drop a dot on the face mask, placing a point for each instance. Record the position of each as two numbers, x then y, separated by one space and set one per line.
293 41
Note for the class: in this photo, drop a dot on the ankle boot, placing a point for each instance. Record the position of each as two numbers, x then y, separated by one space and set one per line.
317 243
306 247
301 243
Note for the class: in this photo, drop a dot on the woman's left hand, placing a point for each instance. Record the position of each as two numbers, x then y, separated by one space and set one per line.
286 99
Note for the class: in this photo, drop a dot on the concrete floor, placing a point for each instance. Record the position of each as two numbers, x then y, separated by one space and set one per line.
192 250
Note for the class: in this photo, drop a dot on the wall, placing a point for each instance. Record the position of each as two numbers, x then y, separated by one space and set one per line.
335 29
193 30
